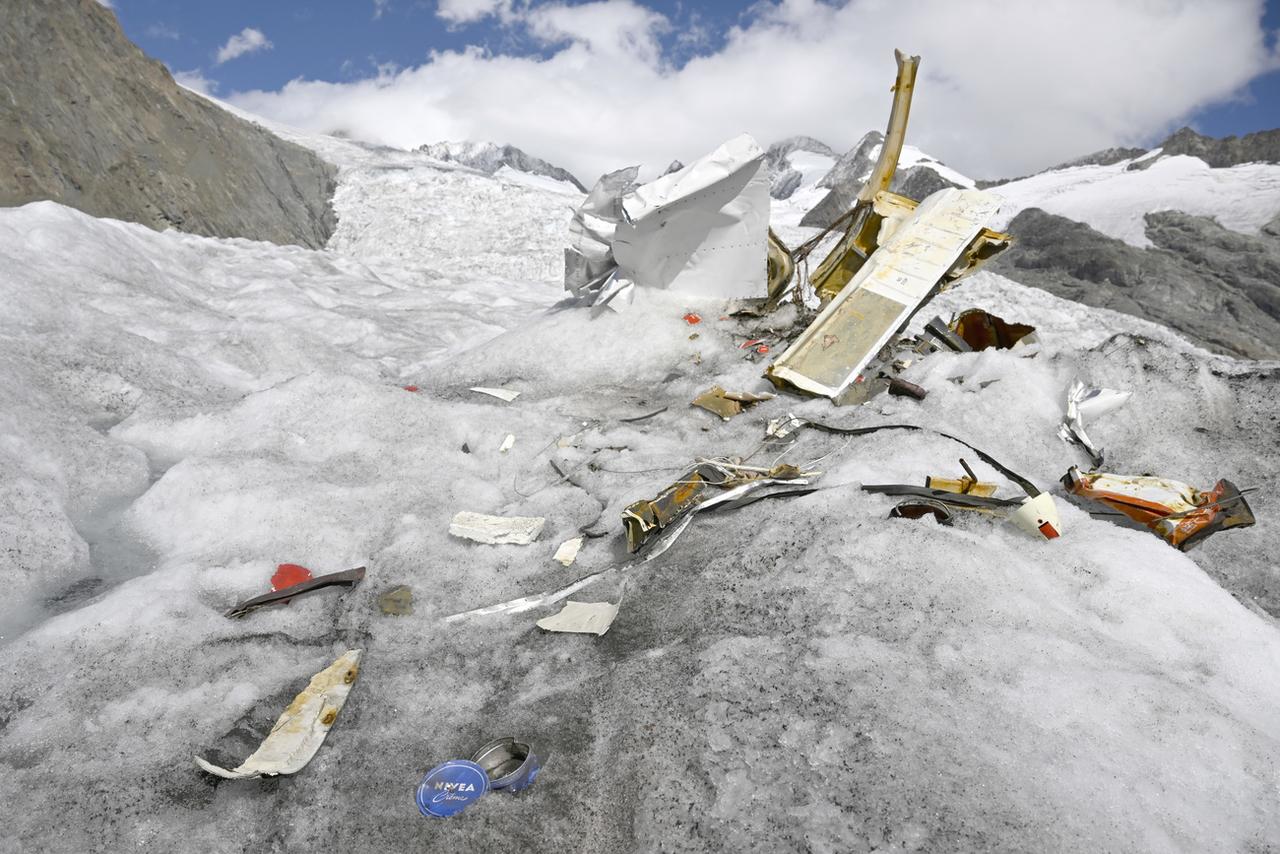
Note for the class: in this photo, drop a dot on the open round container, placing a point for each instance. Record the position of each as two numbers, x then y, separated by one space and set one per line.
510 764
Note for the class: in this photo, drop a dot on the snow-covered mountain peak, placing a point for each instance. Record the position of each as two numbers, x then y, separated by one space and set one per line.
490 157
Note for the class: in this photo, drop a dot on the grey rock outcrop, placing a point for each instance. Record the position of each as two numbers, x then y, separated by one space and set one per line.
851 171
784 179
1260 147
489 157
88 120
1219 288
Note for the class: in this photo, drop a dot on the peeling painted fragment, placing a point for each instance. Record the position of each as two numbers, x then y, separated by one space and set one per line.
496 530
501 393
302 727
894 282
593 618
507 443
1180 514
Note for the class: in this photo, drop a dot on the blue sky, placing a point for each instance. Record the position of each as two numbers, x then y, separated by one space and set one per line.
404 72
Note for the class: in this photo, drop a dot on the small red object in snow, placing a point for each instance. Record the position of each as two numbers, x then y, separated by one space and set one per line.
762 349
691 318
289 574
409 387
751 343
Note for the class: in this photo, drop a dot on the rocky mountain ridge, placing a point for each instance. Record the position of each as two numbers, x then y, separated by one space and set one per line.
92 122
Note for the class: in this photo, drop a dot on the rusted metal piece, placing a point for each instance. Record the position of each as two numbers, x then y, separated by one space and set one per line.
981 330
779 267
918 508
905 271
727 404
963 486
642 519
1180 514
302 727
347 578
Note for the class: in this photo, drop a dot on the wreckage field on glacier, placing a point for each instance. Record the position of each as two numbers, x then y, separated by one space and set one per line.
182 414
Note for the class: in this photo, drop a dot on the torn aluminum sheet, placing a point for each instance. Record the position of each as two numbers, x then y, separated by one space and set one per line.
588 261
702 229
1087 402
591 618
302 727
884 293
346 578
1180 514
567 553
496 530
727 404
501 393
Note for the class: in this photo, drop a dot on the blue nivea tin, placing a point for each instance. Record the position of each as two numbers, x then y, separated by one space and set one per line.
450 788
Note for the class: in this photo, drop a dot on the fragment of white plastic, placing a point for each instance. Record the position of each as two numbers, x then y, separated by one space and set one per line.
507 443
1039 516
501 393
496 530
833 351
302 728
568 551
702 229
588 618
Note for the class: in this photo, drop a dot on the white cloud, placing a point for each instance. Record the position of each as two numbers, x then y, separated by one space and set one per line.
1004 88
196 81
468 11
380 6
247 40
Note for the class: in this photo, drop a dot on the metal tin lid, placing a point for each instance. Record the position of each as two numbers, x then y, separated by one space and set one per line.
450 788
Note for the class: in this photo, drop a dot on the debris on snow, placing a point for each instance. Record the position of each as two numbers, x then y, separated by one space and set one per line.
501 393
282 596
567 553
592 618
496 530
302 727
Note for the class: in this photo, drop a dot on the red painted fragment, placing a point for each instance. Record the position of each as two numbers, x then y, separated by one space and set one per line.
409 387
289 574
691 318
